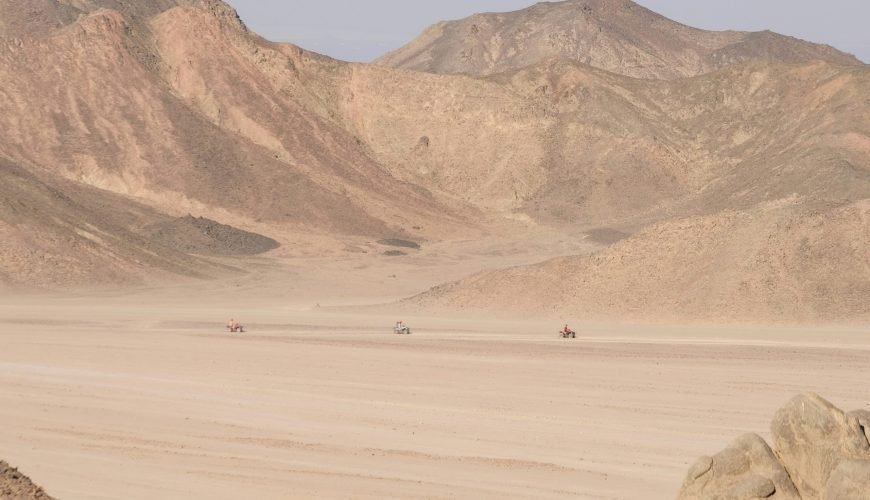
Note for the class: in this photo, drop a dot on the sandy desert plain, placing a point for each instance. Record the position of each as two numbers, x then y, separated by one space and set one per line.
143 394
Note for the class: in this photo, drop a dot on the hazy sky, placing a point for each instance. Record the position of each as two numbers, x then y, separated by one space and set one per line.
361 30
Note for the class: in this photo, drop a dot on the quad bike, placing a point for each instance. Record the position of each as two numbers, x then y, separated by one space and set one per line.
236 329
570 334
402 331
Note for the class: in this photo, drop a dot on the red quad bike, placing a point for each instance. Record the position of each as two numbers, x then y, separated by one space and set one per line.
570 334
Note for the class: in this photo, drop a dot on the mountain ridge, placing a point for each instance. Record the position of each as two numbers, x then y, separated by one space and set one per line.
616 35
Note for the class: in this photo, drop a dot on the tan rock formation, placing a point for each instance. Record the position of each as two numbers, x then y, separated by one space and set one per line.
850 480
16 486
819 453
747 469
813 438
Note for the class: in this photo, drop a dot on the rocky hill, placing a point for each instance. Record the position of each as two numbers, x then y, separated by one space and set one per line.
192 112
562 142
733 166
789 261
180 109
619 36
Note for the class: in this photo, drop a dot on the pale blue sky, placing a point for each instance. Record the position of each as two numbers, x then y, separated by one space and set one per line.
361 30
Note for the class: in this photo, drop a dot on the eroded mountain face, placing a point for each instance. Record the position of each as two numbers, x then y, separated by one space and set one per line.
568 144
186 111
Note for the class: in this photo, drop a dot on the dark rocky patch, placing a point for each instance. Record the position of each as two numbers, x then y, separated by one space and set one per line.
395 242
606 235
394 253
198 235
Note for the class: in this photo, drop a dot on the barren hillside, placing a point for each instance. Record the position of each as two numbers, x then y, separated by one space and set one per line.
760 174
616 35
188 112
59 233
179 139
789 261
564 143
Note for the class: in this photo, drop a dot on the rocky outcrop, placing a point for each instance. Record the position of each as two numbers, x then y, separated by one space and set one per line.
746 469
812 438
15 485
819 453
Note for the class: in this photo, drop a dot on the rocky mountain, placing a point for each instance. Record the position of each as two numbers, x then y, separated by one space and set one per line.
754 173
619 36
192 112
180 109
742 179
564 143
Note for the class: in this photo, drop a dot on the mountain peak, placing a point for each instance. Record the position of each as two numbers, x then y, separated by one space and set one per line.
616 35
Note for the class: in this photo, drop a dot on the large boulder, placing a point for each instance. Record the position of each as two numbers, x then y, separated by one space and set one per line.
821 453
813 438
850 480
746 470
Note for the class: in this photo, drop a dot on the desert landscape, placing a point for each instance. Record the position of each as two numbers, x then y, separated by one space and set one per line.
143 394
695 204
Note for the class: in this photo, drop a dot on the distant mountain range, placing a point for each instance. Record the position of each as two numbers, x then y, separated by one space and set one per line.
736 164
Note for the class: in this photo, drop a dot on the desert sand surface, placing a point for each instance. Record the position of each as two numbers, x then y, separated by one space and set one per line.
142 394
